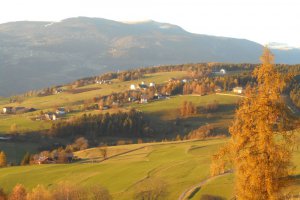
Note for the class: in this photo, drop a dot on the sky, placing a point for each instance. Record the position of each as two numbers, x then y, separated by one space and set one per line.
262 21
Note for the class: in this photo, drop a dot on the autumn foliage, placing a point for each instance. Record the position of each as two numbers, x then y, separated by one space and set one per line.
260 148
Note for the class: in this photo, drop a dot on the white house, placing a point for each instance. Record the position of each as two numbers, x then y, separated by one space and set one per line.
51 116
7 110
152 84
238 90
60 111
222 71
132 87
144 99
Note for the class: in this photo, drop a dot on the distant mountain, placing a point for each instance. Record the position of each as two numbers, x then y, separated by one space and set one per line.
39 54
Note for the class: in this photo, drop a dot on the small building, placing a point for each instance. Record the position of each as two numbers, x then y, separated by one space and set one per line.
58 91
152 84
51 116
105 107
60 111
7 110
184 80
45 160
4 138
238 90
143 86
222 71
144 99
218 89
132 87
131 99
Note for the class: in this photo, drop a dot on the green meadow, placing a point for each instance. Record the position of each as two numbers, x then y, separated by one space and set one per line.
25 123
181 165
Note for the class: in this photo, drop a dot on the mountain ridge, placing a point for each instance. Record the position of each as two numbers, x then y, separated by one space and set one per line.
34 55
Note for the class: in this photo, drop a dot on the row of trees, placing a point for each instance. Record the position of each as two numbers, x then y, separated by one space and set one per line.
149 189
188 109
61 191
129 124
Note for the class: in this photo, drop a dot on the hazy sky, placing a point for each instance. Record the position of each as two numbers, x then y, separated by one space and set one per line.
262 21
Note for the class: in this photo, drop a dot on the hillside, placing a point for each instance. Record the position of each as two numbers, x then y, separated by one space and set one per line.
181 165
34 55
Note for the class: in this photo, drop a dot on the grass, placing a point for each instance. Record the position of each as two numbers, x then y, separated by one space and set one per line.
163 113
48 103
168 109
180 164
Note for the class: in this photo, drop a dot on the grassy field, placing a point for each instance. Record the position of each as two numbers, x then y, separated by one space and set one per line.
48 103
180 165
166 111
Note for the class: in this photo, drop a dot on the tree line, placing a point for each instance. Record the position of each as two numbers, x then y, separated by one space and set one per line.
126 124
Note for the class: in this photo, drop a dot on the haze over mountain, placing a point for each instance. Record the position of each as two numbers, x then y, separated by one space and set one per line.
39 54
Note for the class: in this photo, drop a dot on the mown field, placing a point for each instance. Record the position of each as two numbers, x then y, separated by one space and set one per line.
180 165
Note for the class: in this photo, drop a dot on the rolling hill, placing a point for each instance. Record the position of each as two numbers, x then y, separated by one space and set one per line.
39 54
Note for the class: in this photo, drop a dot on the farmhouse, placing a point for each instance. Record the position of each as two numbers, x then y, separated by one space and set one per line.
144 99
60 111
45 160
238 90
51 116
7 110
132 87
143 86
152 84
218 89
222 71
105 107
131 99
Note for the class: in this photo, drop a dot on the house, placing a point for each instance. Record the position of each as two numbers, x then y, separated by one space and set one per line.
7 110
184 80
144 99
152 84
132 87
143 86
45 160
115 104
172 79
60 111
58 91
238 90
51 116
69 156
158 96
218 89
4 138
222 71
103 107
131 99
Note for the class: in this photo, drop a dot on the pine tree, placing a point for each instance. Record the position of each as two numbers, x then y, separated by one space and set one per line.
260 145
3 162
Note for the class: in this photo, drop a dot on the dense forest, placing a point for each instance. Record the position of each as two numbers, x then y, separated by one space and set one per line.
121 124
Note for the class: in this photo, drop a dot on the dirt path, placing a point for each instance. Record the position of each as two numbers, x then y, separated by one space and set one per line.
232 95
190 190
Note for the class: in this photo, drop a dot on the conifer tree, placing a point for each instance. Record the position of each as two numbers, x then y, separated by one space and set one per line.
261 146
